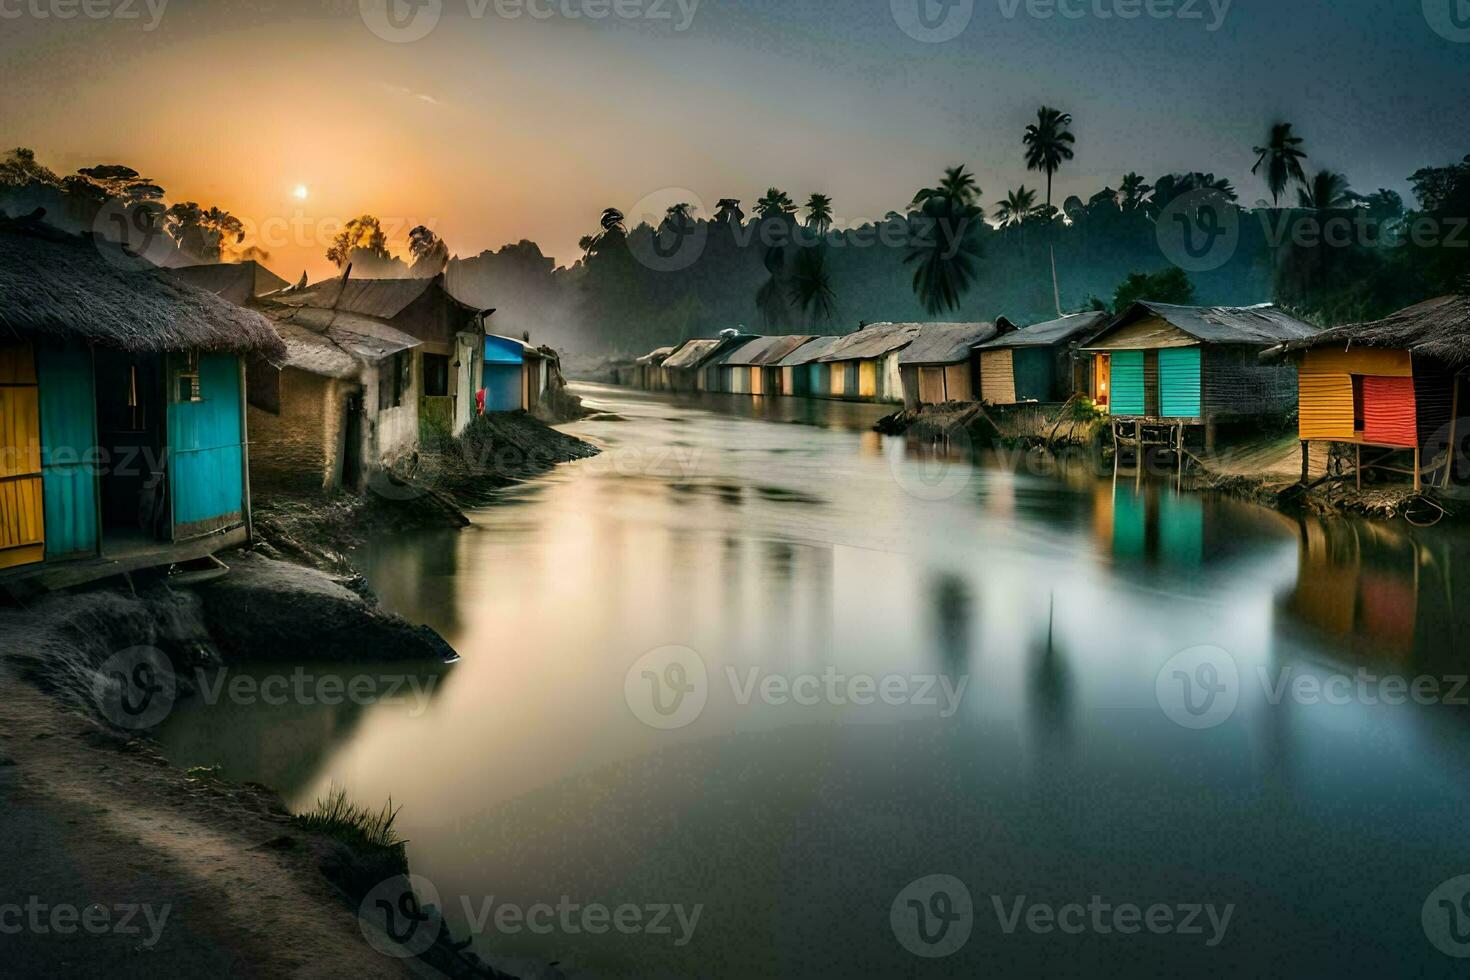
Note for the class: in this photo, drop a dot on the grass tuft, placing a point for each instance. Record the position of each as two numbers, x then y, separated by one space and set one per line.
337 816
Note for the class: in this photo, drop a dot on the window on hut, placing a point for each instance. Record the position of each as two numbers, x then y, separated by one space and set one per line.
436 375
394 380
185 384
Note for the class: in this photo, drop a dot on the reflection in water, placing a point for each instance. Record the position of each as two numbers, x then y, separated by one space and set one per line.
786 539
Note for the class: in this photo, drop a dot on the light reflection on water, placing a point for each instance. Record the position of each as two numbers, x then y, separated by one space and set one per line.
780 536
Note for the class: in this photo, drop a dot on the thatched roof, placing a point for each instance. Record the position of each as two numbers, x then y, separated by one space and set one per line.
382 298
945 343
238 282
1254 326
1438 329
1049 333
54 284
874 340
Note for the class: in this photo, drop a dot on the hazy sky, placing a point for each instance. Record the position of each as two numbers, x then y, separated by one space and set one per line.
494 128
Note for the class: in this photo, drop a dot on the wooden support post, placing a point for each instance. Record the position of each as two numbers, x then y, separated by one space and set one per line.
1449 457
1358 468
1418 477
1138 453
1306 460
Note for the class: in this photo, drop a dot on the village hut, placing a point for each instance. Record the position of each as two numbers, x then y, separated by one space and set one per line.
1176 368
938 366
123 438
864 365
803 374
443 370
1395 384
515 374
1035 363
648 369
680 370
714 375
754 368
237 282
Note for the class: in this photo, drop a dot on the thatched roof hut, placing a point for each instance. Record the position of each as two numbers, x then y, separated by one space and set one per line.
1437 329
68 286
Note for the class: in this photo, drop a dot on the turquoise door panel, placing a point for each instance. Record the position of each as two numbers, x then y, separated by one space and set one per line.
502 386
1127 381
1179 382
68 448
205 455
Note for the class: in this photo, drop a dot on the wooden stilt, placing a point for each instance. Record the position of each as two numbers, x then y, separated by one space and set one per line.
1306 460
1418 477
1358 468
1449 453
1138 453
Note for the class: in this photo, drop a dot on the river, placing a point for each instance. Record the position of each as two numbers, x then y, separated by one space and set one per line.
757 660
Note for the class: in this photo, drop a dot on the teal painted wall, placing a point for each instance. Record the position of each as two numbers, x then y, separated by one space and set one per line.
502 383
204 438
1127 383
819 379
68 441
1179 384
1130 524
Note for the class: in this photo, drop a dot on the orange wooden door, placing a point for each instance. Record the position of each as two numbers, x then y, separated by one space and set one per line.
22 511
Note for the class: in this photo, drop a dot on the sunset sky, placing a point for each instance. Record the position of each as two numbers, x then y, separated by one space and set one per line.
492 129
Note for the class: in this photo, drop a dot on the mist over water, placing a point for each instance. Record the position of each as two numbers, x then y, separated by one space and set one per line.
879 666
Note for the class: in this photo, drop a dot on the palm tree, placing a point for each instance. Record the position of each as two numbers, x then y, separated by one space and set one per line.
1048 144
945 249
613 220
957 186
677 216
1326 191
1132 192
775 203
811 286
727 211
1018 205
1281 159
819 213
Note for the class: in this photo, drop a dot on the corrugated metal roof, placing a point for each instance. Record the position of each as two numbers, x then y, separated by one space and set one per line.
385 298
1049 333
1258 326
691 353
766 351
332 343
654 355
238 282
945 343
729 347
809 351
874 340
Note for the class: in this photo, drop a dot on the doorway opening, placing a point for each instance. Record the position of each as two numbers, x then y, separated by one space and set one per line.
132 436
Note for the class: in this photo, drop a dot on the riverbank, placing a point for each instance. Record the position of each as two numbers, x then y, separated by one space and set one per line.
1263 468
237 883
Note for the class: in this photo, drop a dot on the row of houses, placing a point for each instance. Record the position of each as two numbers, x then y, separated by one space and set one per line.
140 407
1178 372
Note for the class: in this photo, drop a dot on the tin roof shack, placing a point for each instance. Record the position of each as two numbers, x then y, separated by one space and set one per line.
713 373
802 374
1035 363
515 374
122 415
754 368
648 369
1177 367
864 365
681 368
237 282
938 366
1396 384
444 367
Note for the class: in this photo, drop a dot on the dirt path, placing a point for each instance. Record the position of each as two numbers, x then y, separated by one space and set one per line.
168 876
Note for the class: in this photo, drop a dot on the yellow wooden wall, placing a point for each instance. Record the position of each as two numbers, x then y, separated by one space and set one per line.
931 385
22 513
1325 387
838 378
757 381
868 379
997 377
957 387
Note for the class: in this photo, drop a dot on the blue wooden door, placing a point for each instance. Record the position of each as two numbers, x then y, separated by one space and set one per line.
1127 390
1179 382
68 441
205 444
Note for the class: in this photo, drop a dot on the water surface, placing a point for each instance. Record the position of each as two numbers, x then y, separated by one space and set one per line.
779 540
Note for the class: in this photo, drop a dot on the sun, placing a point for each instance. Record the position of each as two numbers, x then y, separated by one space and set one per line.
300 192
